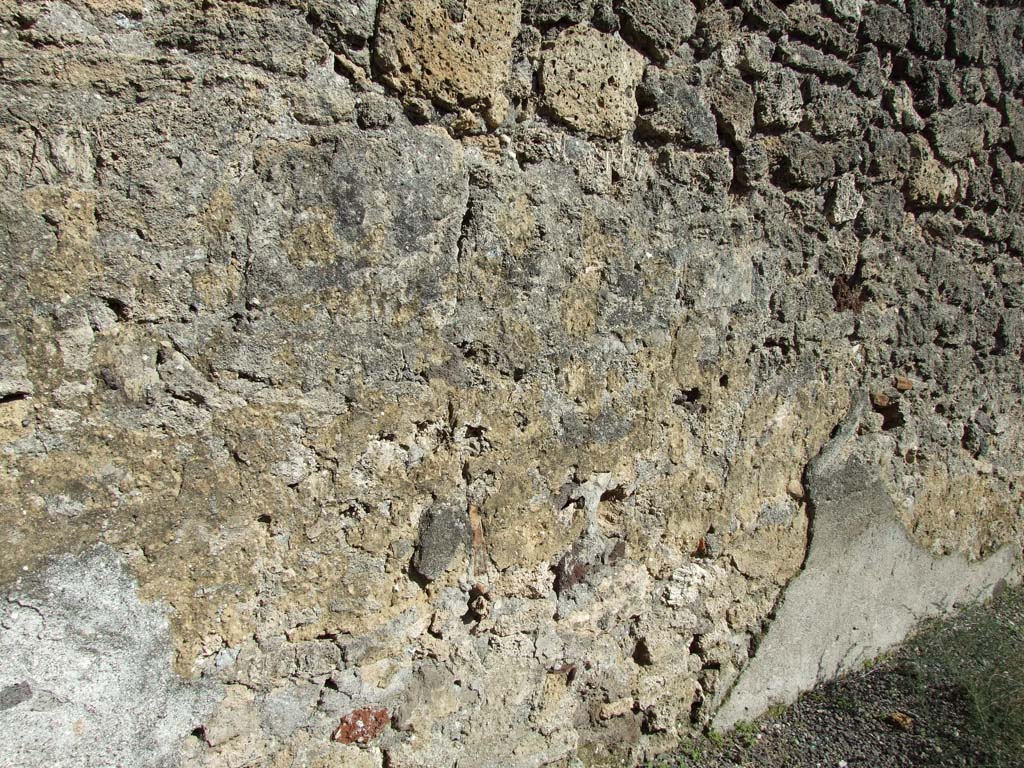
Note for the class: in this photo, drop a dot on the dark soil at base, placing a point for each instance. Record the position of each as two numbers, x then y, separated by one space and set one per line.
952 695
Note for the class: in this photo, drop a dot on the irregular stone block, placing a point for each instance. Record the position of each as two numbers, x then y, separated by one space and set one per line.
929 183
809 22
1014 111
288 707
657 26
589 79
705 176
443 531
718 26
753 163
544 13
732 100
234 716
345 26
871 77
833 112
883 208
962 131
1004 46
969 28
806 58
886 25
890 154
453 54
755 54
845 202
900 102
779 103
13 695
807 163
14 375
673 110
727 280
845 9
767 14
928 27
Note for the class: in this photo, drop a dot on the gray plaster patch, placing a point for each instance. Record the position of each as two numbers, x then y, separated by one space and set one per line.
864 587
87 675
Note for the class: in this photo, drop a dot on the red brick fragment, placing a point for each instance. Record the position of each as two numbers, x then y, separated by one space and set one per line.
361 726
903 384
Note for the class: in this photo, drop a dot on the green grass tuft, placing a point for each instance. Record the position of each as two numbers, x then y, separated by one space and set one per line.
983 654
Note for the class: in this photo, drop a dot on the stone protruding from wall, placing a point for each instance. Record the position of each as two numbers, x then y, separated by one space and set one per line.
453 53
589 79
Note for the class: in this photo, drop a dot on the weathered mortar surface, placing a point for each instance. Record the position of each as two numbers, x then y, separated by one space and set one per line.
86 678
406 378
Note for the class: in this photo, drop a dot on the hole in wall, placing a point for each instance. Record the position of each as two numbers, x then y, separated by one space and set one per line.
642 654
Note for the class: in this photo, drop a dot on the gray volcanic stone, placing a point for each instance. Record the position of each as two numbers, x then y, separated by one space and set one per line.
443 531
1014 111
672 109
810 23
846 9
707 174
767 14
969 29
832 112
756 52
871 79
732 100
846 202
963 131
780 103
808 163
929 183
806 58
890 154
544 13
882 211
657 26
886 25
928 27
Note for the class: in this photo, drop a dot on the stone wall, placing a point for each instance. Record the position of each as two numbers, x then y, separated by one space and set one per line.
463 383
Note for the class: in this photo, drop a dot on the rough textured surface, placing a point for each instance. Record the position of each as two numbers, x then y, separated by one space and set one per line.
466 361
589 79
658 26
453 53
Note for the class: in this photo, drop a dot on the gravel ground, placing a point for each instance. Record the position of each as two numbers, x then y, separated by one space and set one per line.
953 695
